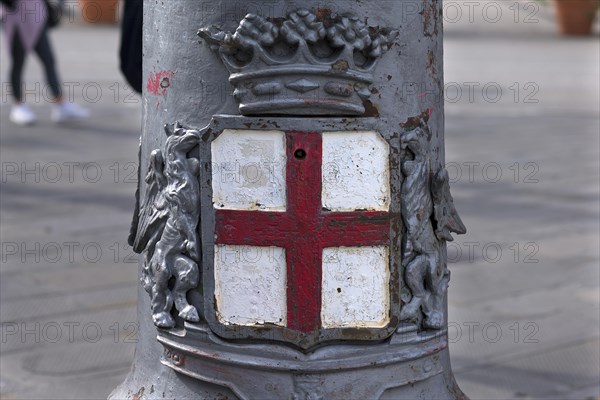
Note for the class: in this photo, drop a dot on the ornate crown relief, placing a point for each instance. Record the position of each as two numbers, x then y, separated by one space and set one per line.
166 231
429 218
304 65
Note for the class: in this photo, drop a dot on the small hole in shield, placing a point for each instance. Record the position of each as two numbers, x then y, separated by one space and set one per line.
300 154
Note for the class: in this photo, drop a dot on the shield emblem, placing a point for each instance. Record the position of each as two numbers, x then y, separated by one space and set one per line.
301 229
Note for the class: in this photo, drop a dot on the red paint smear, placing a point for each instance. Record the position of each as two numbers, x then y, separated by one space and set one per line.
155 80
430 111
303 230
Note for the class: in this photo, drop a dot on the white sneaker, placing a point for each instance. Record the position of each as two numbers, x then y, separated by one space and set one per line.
21 114
68 112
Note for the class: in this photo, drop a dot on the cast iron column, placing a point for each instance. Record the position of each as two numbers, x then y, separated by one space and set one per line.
294 208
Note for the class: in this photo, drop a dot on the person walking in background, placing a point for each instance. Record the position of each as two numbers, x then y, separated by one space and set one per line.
130 53
26 28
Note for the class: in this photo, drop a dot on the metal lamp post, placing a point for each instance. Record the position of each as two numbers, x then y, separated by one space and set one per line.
294 207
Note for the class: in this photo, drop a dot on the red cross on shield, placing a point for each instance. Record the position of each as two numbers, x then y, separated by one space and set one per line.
300 234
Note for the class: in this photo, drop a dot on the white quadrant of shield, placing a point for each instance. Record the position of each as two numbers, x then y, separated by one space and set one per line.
355 173
248 170
355 287
250 285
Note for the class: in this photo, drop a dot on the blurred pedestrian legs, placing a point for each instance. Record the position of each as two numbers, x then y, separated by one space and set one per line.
25 24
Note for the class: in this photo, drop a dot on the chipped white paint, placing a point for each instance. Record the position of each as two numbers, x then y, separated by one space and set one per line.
249 170
250 285
355 287
356 172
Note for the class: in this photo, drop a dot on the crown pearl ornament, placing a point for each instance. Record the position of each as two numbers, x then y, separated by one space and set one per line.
301 65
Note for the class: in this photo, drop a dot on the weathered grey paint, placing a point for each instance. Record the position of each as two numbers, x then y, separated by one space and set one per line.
188 83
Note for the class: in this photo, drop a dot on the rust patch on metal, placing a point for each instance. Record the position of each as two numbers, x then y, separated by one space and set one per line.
430 66
340 66
416 121
356 334
139 394
277 21
370 109
324 16
430 18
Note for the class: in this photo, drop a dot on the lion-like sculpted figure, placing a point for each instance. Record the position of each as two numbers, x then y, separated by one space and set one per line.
429 216
166 231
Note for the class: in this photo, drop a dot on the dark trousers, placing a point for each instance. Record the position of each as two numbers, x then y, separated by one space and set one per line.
44 52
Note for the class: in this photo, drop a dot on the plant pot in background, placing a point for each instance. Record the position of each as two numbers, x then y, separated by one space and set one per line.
575 17
99 11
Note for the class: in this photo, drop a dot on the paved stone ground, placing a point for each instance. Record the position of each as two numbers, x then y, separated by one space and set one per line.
524 295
